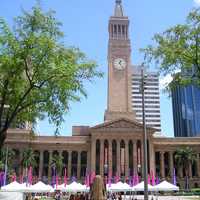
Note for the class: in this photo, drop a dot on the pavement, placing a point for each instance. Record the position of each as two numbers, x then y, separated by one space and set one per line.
167 198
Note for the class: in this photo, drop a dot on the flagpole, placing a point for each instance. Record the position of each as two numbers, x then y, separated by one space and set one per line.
6 166
144 138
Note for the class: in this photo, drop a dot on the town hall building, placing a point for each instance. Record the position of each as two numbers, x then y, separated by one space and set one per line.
114 147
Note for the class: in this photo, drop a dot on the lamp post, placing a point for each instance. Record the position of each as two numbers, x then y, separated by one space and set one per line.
144 137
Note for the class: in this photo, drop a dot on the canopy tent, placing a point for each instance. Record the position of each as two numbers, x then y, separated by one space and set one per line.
166 186
11 195
140 187
39 187
14 187
75 187
119 187
60 187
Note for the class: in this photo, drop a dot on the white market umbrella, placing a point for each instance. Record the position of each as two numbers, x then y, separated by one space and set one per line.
140 187
40 187
120 187
166 186
60 187
75 187
14 187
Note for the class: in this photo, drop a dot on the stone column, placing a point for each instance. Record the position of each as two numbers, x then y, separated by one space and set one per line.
162 169
135 157
152 157
50 160
118 159
88 161
126 158
142 158
93 155
180 172
41 165
110 158
198 167
60 155
69 167
102 158
20 161
79 166
171 163
190 170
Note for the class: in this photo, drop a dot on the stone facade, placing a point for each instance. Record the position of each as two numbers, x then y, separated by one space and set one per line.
115 147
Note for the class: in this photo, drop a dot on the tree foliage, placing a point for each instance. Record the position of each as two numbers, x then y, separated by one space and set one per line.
39 75
10 154
178 50
29 158
184 157
57 161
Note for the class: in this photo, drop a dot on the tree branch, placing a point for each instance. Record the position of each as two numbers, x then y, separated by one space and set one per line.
3 99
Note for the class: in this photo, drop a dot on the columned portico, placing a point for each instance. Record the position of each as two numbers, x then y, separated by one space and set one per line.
118 158
171 164
93 155
135 157
110 173
69 167
102 157
41 164
162 170
126 158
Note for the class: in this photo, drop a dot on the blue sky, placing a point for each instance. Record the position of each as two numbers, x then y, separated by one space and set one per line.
85 24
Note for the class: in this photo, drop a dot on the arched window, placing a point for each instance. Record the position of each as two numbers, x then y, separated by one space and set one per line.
114 157
97 157
122 158
65 162
83 163
45 163
74 163
130 150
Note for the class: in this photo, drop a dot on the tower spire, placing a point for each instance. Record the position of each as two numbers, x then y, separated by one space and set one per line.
118 8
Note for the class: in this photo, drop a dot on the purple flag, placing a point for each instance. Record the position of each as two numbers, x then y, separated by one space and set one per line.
174 177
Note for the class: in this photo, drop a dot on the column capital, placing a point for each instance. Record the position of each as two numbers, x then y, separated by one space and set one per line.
50 151
162 152
110 141
69 151
126 142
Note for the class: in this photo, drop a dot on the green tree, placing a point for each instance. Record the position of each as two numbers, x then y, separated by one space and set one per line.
10 156
178 50
39 75
29 158
184 157
57 161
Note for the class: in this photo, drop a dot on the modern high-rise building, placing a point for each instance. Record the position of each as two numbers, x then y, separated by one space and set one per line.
186 111
152 97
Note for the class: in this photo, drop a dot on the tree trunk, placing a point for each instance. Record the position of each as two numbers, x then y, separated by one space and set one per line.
186 179
2 138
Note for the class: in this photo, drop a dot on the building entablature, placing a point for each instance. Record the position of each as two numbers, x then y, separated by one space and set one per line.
172 144
120 129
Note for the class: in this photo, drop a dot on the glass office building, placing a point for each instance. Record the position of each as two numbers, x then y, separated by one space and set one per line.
186 111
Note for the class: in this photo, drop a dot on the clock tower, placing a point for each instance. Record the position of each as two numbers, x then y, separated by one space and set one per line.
119 70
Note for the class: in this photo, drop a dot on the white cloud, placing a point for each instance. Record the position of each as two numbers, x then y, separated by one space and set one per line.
164 81
197 2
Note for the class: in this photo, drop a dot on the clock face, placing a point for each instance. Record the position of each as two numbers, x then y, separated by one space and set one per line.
119 63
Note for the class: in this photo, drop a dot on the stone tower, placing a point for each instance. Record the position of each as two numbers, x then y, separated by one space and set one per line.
119 70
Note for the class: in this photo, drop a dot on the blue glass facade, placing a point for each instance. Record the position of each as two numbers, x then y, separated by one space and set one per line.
186 111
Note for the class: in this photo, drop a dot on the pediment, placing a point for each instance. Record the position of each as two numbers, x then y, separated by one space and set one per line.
121 124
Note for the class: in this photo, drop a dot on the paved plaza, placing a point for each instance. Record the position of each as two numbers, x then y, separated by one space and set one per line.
168 197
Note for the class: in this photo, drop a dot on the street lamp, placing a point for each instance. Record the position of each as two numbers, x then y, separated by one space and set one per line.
144 137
